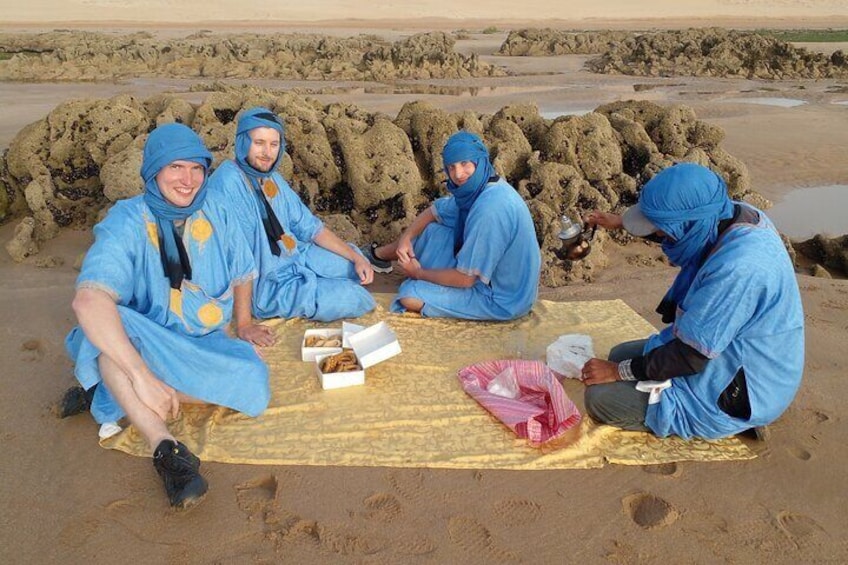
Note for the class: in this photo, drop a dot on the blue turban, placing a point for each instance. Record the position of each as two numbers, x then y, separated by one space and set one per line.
687 202
166 144
258 117
465 146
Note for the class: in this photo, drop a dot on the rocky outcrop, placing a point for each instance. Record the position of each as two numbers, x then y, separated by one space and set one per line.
545 42
716 53
87 56
368 175
708 52
828 254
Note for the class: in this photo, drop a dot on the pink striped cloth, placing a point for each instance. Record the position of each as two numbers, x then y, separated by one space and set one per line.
540 413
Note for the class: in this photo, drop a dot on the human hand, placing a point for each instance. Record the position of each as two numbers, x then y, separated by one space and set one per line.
404 250
263 336
606 220
410 267
156 395
364 269
597 371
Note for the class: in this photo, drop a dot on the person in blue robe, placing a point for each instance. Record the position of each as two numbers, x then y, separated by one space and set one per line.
305 270
732 356
155 294
473 254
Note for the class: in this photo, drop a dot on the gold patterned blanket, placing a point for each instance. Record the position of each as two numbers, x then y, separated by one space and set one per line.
412 412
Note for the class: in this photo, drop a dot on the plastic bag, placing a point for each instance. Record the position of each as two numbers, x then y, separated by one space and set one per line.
541 411
567 355
505 384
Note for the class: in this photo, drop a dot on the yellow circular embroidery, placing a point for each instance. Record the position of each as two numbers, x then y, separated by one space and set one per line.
201 230
153 234
177 302
210 315
270 188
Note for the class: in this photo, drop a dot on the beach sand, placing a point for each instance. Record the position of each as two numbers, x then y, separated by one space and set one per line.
66 499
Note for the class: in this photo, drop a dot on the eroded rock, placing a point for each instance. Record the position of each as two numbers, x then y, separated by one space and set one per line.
829 253
364 173
714 52
88 56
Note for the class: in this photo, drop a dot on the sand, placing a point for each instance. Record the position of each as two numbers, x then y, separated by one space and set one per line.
66 499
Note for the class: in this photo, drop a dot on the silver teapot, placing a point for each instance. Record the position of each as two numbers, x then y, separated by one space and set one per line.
576 239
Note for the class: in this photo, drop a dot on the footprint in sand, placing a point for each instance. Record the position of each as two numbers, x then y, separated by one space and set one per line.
835 304
649 511
256 497
817 416
294 480
414 545
77 532
346 543
518 511
408 483
664 469
476 540
799 452
33 350
798 528
381 507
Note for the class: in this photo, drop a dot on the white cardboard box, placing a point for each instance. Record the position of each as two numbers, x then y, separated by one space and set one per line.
348 329
371 345
374 344
310 353
338 380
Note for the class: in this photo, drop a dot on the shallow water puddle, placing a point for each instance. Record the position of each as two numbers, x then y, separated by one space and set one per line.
806 212
769 101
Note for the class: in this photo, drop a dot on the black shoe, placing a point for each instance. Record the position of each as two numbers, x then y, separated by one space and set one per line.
379 265
76 400
180 471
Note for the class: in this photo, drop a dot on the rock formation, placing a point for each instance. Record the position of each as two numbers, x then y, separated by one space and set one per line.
546 42
88 56
709 52
368 175
828 254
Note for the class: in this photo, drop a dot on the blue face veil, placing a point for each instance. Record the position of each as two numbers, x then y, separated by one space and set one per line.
166 144
250 120
687 202
465 146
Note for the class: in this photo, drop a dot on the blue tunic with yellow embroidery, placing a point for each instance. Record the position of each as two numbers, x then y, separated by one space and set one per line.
304 280
179 333
499 248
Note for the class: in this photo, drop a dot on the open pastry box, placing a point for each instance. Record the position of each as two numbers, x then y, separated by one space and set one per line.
370 346
315 343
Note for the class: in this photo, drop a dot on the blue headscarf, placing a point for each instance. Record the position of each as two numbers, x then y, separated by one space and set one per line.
256 118
687 202
166 144
465 146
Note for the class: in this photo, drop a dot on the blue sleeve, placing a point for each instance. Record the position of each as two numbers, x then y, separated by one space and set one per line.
724 297
109 264
446 211
296 216
489 229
